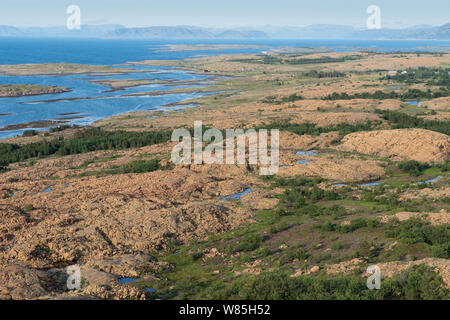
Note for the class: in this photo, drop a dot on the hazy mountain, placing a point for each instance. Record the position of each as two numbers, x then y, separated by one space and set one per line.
323 31
186 32
90 31
318 31
242 34
86 31
179 32
7 31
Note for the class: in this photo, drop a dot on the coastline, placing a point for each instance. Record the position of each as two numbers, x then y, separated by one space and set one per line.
47 123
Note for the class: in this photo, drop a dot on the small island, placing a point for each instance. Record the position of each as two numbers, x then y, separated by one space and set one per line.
59 69
22 90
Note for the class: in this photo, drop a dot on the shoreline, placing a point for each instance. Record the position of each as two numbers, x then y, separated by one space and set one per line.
48 123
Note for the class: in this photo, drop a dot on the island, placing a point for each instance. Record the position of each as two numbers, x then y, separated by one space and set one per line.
22 90
59 69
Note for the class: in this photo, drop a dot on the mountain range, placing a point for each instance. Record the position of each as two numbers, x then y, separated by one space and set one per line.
317 31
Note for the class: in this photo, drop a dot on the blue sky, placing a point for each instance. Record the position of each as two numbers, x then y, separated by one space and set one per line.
225 13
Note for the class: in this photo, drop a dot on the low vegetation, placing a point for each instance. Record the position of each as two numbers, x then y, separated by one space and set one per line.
20 90
86 140
401 120
411 94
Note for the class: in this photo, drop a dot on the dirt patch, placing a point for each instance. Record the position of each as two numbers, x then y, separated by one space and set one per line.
436 104
427 193
390 104
435 218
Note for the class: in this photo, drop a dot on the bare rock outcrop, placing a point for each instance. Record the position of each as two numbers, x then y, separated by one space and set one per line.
401 144
435 218
17 281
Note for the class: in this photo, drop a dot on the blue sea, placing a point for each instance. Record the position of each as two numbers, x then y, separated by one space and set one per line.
103 103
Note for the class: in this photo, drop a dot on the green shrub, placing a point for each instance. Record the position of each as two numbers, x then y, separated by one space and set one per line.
140 166
416 230
441 250
250 242
83 141
419 282
29 133
413 167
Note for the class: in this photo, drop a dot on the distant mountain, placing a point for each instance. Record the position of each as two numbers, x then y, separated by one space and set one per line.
323 31
86 31
317 31
7 31
186 32
242 34
181 32
443 32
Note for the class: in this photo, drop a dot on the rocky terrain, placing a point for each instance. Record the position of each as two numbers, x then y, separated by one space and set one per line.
356 175
411 144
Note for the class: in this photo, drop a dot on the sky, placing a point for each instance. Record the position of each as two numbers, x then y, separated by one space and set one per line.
225 13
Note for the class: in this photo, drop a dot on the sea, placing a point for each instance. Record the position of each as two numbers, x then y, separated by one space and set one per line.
88 102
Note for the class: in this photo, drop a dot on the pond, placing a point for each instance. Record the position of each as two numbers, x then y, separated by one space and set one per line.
431 180
311 153
372 184
237 196
127 280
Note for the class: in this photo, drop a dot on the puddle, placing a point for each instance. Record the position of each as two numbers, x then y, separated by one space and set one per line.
150 290
44 191
312 153
127 280
413 103
283 166
237 196
431 180
395 87
372 184
340 185
302 161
